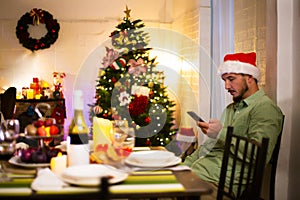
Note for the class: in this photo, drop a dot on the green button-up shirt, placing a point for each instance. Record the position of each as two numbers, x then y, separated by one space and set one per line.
255 117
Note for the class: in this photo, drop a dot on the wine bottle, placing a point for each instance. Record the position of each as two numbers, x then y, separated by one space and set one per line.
78 148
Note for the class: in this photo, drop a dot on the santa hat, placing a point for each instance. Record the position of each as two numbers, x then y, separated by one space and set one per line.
186 135
240 63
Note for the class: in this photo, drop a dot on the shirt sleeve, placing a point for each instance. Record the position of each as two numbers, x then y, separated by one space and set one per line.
189 160
266 121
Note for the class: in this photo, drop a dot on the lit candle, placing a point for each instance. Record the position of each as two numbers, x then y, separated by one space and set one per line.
38 96
58 163
30 94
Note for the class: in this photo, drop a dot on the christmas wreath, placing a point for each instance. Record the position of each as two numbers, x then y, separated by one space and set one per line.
35 17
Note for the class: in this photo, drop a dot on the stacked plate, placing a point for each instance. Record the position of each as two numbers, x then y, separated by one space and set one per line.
90 175
16 160
152 159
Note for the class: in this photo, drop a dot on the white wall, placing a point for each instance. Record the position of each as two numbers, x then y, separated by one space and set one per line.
85 26
288 95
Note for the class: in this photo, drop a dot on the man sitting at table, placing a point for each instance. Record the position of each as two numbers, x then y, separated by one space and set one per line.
252 114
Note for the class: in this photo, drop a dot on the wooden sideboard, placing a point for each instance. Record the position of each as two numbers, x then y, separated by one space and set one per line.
54 108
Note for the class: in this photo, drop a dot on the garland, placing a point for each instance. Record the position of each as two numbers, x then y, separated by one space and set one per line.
35 17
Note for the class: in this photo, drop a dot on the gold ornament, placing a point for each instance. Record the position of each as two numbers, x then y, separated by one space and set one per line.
118 84
151 84
101 72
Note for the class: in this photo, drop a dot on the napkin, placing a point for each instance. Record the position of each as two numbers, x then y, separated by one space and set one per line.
103 149
46 180
101 131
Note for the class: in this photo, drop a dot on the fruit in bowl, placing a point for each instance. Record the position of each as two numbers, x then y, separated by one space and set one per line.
26 154
44 127
38 155
54 129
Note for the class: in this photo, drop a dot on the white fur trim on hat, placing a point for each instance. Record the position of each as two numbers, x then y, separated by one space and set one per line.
184 138
239 68
186 135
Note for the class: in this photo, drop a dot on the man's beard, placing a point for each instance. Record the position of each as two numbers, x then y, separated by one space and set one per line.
243 91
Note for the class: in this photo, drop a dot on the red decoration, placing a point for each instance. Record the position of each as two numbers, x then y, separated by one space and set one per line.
117 64
59 114
147 120
148 142
101 147
138 105
123 152
113 80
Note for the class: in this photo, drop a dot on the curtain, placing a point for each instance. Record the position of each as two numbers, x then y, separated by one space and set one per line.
222 42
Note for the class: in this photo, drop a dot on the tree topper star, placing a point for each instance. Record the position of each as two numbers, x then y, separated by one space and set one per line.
127 12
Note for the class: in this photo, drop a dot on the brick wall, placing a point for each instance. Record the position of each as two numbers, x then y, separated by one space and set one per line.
250 30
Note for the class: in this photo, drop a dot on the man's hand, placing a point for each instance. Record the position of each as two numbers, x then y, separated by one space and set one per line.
212 128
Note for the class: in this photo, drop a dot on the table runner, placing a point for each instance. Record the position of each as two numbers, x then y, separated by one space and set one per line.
148 181
20 186
137 182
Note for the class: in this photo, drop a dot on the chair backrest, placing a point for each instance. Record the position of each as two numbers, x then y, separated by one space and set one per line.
8 102
247 163
104 189
273 165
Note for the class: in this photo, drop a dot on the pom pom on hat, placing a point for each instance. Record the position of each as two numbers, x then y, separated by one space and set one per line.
240 63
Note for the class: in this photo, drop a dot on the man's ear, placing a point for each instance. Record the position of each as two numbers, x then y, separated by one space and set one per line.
251 79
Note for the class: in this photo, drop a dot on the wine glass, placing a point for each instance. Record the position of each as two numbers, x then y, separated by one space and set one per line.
9 130
123 140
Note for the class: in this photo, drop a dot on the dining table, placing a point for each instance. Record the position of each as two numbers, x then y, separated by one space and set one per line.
178 182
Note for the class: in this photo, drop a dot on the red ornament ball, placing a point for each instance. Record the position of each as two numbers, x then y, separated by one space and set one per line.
148 142
147 120
113 80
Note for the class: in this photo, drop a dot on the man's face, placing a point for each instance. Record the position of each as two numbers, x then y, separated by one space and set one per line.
236 85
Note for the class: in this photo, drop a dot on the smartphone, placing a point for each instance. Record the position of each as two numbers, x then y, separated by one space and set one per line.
195 116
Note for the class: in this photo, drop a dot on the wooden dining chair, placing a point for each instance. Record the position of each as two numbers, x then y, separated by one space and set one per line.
249 157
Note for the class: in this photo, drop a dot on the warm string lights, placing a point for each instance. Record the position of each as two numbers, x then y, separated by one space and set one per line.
130 88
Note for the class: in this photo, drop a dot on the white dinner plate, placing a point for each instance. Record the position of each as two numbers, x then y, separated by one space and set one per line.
16 160
153 159
90 175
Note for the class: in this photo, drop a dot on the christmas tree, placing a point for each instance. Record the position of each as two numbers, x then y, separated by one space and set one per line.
129 87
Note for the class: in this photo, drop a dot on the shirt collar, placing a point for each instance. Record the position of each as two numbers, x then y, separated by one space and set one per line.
249 100
253 98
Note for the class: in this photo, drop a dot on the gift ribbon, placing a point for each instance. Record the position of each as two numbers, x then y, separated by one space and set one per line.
36 15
